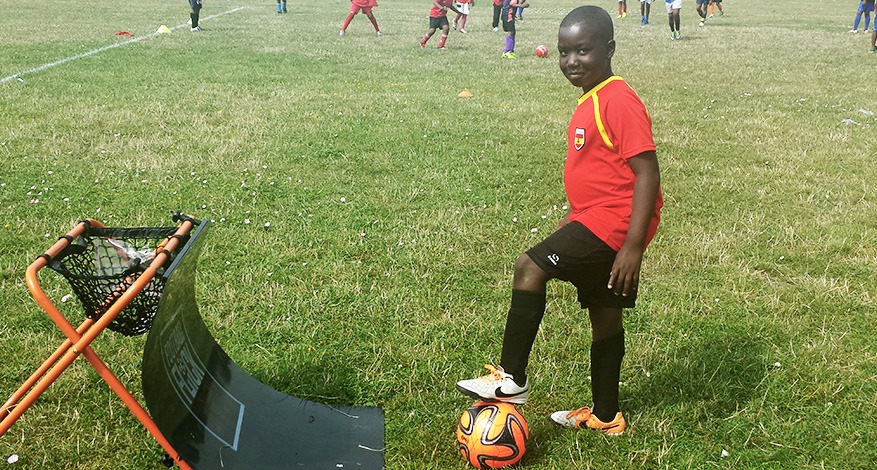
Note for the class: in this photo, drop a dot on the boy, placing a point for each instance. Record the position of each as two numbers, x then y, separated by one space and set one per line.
281 6
508 25
865 8
673 7
194 14
702 10
645 8
716 3
612 183
463 7
622 9
438 18
364 6
497 10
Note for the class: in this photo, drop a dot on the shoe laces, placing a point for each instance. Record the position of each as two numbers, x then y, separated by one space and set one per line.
495 374
580 415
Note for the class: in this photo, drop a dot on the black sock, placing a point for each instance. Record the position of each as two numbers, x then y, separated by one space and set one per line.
606 356
521 327
194 17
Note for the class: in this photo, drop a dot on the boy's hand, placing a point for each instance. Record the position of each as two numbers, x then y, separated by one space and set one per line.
624 277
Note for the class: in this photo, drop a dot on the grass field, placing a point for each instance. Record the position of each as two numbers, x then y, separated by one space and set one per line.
367 220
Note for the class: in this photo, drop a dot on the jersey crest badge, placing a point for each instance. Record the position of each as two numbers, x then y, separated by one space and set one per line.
579 139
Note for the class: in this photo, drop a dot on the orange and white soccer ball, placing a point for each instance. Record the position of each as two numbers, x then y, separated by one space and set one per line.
542 51
492 435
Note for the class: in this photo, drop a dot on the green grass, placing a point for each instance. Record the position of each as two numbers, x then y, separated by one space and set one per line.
754 332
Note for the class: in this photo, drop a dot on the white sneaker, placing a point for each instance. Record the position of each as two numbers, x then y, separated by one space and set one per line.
196 29
854 31
701 24
341 33
378 33
463 31
495 386
495 29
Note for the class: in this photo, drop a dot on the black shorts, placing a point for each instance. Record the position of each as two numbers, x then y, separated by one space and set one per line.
508 26
574 254
438 23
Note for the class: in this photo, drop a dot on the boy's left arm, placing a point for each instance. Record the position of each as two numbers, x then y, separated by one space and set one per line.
624 277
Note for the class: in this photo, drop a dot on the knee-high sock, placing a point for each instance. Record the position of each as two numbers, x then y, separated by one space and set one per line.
509 44
442 40
606 356
194 17
347 21
867 20
522 325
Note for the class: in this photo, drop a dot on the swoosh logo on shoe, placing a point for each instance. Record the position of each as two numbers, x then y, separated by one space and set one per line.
500 394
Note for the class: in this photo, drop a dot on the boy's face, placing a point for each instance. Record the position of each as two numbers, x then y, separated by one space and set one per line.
585 60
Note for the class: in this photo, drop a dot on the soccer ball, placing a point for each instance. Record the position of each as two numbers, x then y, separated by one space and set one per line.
542 51
492 435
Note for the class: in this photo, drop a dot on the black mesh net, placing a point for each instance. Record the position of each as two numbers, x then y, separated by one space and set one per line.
103 263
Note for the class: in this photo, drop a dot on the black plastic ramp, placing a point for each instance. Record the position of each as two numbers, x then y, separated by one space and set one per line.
217 416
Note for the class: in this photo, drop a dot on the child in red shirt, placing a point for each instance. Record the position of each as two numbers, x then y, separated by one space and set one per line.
612 183
438 18
364 6
497 10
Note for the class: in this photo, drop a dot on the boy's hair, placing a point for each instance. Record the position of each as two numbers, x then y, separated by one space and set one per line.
594 17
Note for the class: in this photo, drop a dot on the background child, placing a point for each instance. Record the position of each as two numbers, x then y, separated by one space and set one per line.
622 8
281 6
612 183
865 7
463 7
673 7
364 6
438 18
702 10
874 39
713 5
194 14
508 25
645 8
497 11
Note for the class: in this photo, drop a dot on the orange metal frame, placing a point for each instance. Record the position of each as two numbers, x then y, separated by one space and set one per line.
79 339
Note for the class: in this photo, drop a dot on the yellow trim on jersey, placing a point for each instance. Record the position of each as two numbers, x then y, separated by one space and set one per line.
592 93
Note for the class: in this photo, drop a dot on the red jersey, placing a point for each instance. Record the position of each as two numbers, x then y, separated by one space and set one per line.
609 126
437 12
365 3
497 3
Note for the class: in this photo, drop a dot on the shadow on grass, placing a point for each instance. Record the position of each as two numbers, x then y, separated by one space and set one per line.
713 370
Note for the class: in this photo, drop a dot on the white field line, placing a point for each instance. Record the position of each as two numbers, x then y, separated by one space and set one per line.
105 48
